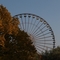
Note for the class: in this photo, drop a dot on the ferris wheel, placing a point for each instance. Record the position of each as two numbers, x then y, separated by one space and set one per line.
39 31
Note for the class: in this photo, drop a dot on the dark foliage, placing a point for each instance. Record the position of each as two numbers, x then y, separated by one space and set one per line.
18 47
53 54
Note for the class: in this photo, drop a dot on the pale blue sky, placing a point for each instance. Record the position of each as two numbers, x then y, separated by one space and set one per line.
47 9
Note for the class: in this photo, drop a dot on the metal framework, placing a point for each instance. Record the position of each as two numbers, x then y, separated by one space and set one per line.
39 31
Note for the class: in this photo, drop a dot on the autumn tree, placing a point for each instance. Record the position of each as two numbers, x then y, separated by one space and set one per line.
14 43
8 25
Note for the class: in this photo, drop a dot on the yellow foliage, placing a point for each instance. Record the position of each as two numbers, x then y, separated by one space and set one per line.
7 23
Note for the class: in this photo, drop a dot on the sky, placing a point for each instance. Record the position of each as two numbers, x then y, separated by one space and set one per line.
47 9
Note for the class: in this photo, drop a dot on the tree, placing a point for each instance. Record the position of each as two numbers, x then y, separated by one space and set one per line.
7 24
19 47
14 43
53 54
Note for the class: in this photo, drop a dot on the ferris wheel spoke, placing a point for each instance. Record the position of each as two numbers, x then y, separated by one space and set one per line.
28 25
33 28
44 46
43 34
21 19
39 30
25 22
44 31
43 40
21 22
36 26
41 48
45 43
46 37
31 24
